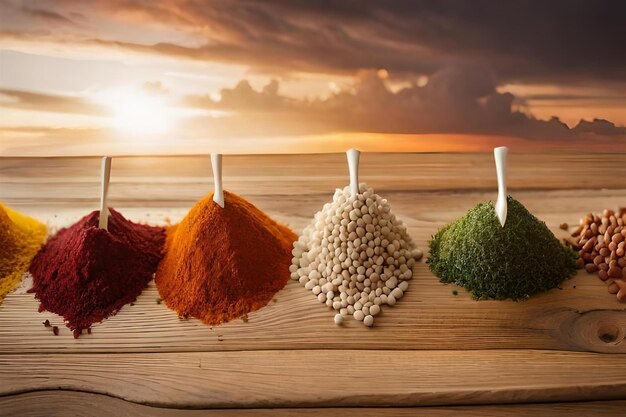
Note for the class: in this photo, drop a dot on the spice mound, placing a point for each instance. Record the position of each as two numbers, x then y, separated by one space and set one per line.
222 263
516 261
355 255
601 244
20 239
86 274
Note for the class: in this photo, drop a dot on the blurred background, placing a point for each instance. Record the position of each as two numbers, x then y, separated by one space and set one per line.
129 77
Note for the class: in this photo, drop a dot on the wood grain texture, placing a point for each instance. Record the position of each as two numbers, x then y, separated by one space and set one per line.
584 318
323 378
175 180
70 403
581 316
431 348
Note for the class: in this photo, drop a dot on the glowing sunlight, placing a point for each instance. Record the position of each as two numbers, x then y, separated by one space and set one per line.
135 112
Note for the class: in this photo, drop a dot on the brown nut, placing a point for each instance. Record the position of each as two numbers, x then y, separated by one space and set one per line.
590 244
615 272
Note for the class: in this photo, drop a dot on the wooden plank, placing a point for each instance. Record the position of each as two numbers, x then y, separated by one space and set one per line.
584 318
242 364
65 403
428 317
324 378
173 178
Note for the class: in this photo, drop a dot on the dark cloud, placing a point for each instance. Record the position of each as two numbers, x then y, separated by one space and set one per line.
599 127
244 99
460 99
48 16
26 100
571 41
618 99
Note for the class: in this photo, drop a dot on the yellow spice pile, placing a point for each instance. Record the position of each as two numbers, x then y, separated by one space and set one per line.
20 239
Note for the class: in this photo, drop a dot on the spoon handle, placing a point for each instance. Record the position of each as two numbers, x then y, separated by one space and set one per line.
103 222
218 191
353 166
500 155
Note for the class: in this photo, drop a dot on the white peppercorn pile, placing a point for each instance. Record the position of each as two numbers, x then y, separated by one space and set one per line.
355 255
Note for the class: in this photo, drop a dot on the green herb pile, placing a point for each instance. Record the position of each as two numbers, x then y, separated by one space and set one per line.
490 261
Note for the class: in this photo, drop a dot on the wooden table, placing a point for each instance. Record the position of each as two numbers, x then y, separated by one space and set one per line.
561 353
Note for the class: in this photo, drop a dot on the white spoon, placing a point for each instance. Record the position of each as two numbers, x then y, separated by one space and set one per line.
103 222
218 191
501 206
353 166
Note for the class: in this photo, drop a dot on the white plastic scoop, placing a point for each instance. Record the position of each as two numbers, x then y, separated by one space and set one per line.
218 191
353 166
500 155
103 222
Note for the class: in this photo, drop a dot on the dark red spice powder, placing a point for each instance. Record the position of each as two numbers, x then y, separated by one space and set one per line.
86 274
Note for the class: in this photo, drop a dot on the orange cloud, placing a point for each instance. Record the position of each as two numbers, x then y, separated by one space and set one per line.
26 100
456 100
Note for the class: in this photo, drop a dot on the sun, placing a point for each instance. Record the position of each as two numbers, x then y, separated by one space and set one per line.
137 113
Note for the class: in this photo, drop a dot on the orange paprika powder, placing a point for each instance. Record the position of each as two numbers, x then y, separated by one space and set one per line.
222 263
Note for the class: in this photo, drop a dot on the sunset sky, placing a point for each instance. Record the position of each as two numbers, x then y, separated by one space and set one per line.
146 77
